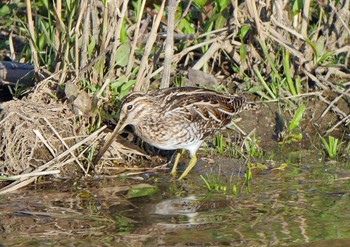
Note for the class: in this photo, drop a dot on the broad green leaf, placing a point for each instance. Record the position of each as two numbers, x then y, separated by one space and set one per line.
200 3
294 123
223 4
141 190
5 10
220 21
116 84
122 54
297 6
126 88
185 26
243 32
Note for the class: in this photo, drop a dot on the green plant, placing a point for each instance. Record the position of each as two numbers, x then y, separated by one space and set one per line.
252 147
292 134
332 146
214 183
320 55
220 143
248 175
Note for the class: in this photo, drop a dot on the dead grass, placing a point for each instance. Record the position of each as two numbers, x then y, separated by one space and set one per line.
41 136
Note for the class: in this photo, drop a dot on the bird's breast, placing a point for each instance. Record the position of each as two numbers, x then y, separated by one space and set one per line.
169 132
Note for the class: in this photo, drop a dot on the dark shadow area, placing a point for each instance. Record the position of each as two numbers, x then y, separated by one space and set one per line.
5 94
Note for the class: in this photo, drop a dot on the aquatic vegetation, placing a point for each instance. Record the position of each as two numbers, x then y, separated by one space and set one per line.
332 147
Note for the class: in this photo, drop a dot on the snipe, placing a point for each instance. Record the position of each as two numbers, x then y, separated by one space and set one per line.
177 118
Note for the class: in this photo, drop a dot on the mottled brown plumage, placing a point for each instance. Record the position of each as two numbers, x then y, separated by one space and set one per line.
177 118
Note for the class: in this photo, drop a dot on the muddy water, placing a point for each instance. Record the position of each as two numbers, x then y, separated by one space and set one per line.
306 203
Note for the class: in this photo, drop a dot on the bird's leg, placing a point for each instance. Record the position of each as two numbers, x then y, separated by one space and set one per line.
192 163
176 162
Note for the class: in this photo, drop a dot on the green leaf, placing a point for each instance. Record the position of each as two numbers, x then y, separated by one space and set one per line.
184 25
243 53
123 33
122 54
287 73
263 82
220 21
45 3
313 46
324 143
297 118
297 6
116 84
91 47
319 48
325 57
243 32
223 4
200 3
126 88
297 137
5 10
141 190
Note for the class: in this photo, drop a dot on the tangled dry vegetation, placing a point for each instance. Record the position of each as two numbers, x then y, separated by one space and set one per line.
40 136
259 48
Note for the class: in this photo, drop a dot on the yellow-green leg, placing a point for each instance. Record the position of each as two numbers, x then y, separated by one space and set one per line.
192 163
177 159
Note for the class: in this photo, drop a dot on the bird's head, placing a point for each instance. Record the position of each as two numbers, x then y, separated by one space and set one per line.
133 108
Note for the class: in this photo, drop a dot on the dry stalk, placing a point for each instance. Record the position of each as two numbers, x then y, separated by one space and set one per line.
35 58
82 10
65 144
305 21
208 55
44 141
134 42
49 165
85 36
117 31
169 45
142 85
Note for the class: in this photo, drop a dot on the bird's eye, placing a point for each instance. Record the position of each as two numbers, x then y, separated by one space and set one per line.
129 107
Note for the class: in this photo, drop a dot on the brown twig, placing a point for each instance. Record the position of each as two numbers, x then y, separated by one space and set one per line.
169 45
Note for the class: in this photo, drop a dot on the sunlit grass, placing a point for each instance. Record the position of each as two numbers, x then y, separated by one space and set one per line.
332 147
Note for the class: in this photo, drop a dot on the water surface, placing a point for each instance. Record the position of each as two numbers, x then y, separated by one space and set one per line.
305 204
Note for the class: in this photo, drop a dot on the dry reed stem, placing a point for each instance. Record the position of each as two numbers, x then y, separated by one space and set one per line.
22 176
130 65
334 108
65 144
333 102
45 142
169 44
49 165
82 8
254 14
116 37
208 55
86 34
142 85
35 58
345 120
305 18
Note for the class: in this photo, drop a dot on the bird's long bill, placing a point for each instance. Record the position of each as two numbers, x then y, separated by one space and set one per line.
120 126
